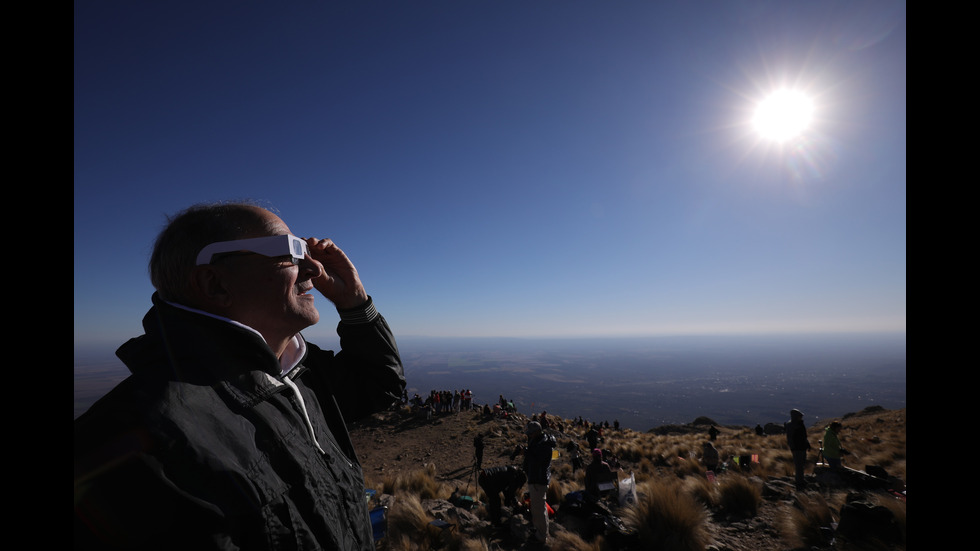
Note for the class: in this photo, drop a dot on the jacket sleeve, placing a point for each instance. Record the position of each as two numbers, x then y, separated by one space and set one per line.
366 376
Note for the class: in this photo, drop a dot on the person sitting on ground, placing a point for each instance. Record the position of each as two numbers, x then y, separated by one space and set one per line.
598 475
710 457
507 480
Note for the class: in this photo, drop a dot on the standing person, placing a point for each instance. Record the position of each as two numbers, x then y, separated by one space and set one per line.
798 444
507 480
537 465
713 433
478 446
230 432
710 456
832 450
592 435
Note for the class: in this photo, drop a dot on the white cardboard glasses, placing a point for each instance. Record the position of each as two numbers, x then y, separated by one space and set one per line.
276 245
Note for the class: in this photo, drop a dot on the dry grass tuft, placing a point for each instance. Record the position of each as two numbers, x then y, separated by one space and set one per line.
570 541
407 521
474 545
666 518
703 491
738 496
409 530
421 483
808 521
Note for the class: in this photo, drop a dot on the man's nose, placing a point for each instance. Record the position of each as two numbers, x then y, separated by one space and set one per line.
310 267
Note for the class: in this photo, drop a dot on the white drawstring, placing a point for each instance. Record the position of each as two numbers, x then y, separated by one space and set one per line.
306 416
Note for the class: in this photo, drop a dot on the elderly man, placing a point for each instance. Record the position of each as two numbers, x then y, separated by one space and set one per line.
230 432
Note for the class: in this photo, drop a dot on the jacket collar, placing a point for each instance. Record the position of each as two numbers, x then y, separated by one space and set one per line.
187 345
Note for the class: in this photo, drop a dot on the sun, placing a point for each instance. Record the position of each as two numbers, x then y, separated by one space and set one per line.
783 115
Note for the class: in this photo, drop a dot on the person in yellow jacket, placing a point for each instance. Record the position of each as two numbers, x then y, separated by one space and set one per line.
832 450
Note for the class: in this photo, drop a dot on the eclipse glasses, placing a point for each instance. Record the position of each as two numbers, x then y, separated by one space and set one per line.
276 245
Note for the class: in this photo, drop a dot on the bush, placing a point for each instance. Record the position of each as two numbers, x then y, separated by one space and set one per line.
738 496
666 518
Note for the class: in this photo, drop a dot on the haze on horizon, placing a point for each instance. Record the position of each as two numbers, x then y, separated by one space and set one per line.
643 382
528 169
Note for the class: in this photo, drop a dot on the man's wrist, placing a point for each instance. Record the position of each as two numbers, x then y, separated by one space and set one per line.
365 313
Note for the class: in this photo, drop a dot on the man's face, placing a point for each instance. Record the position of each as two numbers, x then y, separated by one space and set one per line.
271 294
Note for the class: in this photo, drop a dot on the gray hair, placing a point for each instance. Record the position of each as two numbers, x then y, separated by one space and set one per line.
190 230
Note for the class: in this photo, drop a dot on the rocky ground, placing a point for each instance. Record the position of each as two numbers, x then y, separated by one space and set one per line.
392 444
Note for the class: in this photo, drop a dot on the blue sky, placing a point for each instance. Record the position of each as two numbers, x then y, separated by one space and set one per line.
509 168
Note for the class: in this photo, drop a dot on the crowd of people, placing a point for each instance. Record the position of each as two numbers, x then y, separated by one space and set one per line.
442 401
602 475
503 484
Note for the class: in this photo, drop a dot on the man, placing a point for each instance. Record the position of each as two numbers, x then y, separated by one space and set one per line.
494 481
537 466
230 433
798 444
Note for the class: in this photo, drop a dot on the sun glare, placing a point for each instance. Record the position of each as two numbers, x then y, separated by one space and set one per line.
783 115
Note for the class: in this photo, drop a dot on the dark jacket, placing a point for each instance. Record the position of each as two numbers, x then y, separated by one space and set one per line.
597 473
796 435
537 459
507 479
204 445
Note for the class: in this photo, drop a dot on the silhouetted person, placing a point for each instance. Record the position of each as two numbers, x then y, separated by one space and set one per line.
597 474
710 456
592 435
713 433
832 450
537 466
759 431
478 445
506 480
798 444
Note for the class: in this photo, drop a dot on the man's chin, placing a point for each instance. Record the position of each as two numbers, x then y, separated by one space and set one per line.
313 317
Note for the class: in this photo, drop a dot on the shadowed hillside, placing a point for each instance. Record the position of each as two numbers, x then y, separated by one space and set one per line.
419 467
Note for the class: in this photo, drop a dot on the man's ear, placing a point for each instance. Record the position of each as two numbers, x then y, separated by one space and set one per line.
209 288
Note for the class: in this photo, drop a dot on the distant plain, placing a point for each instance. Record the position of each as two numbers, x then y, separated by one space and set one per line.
642 382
